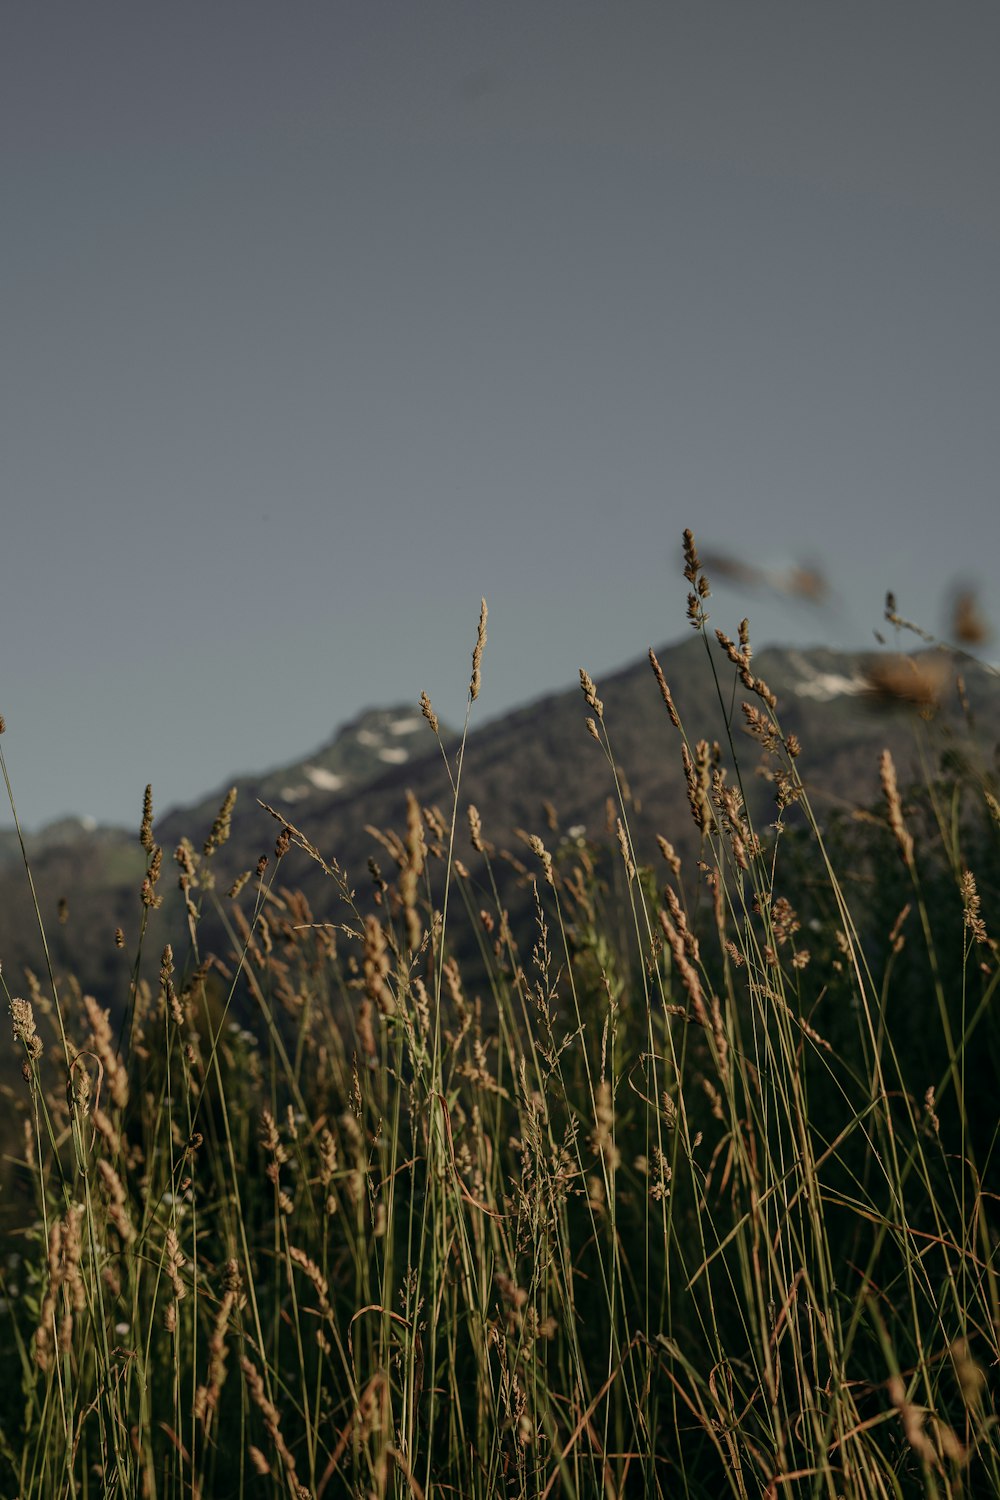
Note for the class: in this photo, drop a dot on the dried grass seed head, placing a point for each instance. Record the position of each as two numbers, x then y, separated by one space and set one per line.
428 712
477 653
23 1022
692 562
969 624
590 693
664 689
222 826
700 589
146 827
539 849
919 681
972 905
669 854
894 806
103 1046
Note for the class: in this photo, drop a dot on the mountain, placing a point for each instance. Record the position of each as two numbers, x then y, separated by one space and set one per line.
378 741
525 770
87 877
58 834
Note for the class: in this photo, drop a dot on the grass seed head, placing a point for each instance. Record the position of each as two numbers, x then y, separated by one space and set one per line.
477 653
146 828
539 849
969 625
590 693
428 712
222 826
972 905
894 805
664 689
919 681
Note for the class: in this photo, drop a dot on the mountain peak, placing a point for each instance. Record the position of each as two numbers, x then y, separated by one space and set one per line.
374 740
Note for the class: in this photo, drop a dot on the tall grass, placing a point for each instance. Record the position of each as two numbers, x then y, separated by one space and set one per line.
659 1195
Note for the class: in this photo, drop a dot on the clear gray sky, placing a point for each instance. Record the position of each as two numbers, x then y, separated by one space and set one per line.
321 320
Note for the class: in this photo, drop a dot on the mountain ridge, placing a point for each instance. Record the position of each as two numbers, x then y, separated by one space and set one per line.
521 768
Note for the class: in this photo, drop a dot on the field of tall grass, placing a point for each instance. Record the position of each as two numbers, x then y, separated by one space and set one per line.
688 1189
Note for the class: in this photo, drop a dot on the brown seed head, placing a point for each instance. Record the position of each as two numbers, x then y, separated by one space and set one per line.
730 647
692 562
625 852
917 680
700 589
759 686
378 966
539 849
102 1045
23 1021
930 1111
428 712
146 829
477 653
590 693
972 904
697 776
669 853
968 623
894 805
222 826
186 861
687 971
664 689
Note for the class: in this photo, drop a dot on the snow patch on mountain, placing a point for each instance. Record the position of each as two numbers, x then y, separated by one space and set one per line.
327 781
826 685
822 686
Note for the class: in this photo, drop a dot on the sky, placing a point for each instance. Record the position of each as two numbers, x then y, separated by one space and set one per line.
320 321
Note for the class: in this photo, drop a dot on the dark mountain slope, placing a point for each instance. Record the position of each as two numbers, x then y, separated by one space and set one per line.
514 765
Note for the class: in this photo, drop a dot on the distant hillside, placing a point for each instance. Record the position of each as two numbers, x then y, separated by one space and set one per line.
63 833
539 754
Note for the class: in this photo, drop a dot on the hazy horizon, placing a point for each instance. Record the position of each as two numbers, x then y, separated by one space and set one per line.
322 324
